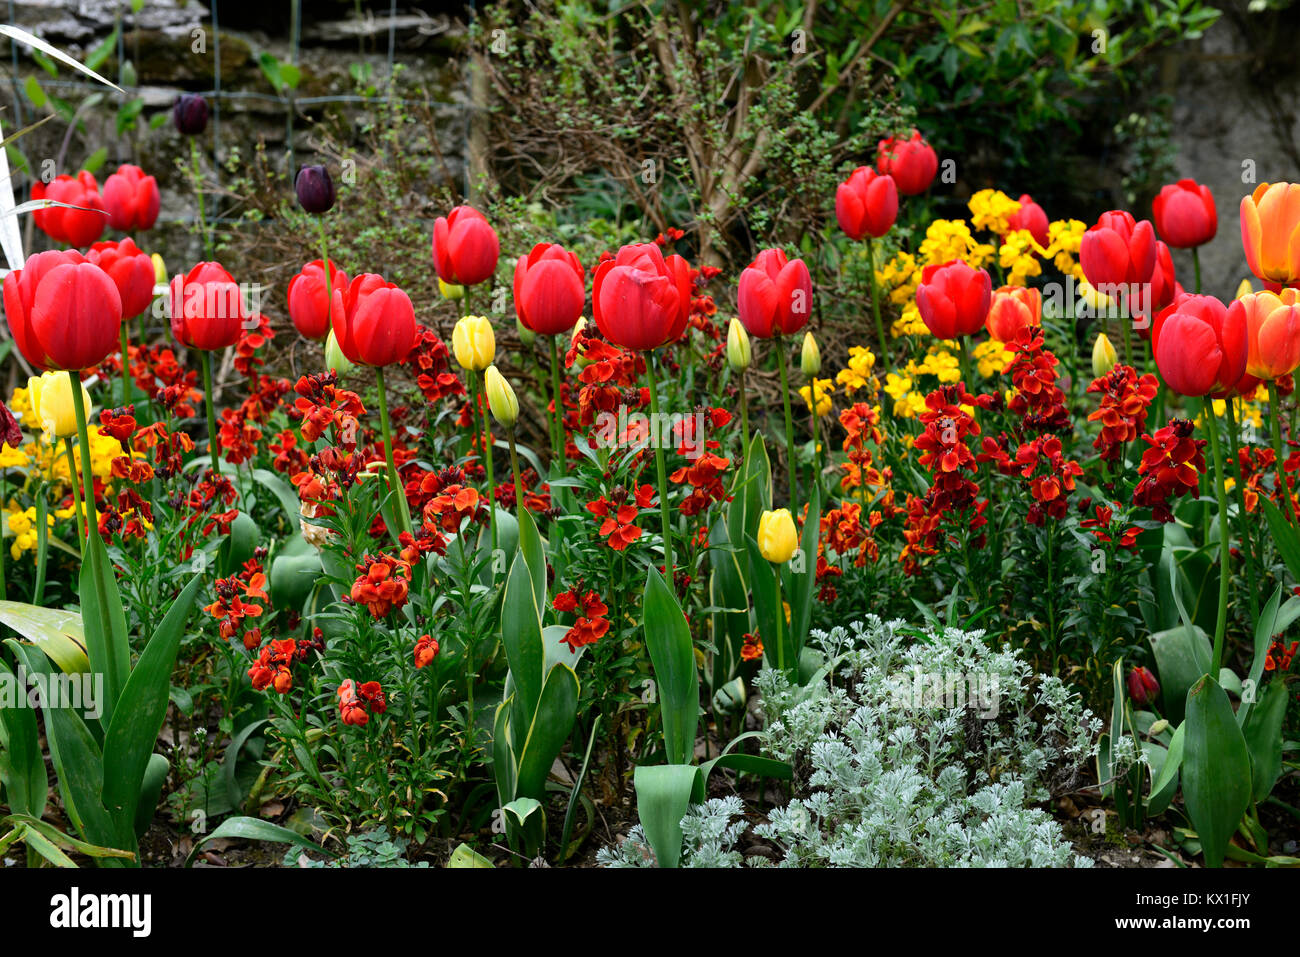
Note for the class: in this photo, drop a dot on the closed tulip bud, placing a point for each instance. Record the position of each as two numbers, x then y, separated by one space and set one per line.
159 270
548 289
1142 686
334 357
866 204
501 398
76 227
1185 215
526 336
810 357
739 351
1158 727
777 538
1200 346
473 343
190 114
911 162
315 189
449 290
1104 356
311 297
52 405
1031 217
1244 289
207 308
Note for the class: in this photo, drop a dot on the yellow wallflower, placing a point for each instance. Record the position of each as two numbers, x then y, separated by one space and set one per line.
825 390
991 357
990 209
1018 257
909 323
22 525
858 373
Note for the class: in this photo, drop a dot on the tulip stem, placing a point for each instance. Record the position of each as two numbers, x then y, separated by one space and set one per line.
198 190
963 360
1239 486
780 622
76 495
205 361
1221 623
394 484
329 274
1275 431
557 420
514 468
1196 264
126 364
656 438
789 420
744 417
875 300
481 389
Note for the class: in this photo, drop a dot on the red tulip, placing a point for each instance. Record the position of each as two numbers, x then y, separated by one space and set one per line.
1200 347
1164 288
64 312
1185 215
1013 308
775 295
374 321
310 301
1272 332
954 299
911 162
131 199
131 271
76 227
1032 217
641 300
1142 686
465 247
866 203
1118 251
549 289
207 308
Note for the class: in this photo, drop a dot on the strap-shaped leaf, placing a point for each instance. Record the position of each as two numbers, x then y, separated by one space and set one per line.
56 631
255 829
550 728
104 619
26 784
663 796
1216 769
803 584
142 708
1263 734
668 639
521 635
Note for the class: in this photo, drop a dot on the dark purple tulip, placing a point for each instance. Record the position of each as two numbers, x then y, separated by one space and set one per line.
315 189
10 434
190 114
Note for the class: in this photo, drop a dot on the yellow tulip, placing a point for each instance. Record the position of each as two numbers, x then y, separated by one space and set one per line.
473 343
51 397
159 270
739 352
777 538
451 291
1104 356
580 360
501 398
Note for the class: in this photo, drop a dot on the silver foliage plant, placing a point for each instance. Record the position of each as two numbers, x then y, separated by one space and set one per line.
911 748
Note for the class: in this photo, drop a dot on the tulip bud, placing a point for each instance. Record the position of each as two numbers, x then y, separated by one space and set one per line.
473 343
526 336
1244 289
315 189
1142 686
1104 356
1158 727
190 114
334 357
450 290
159 270
777 538
53 408
739 352
579 359
501 398
810 359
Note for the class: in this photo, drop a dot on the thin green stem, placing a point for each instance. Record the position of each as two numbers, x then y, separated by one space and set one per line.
780 622
744 416
329 272
1225 572
557 419
394 483
126 363
205 360
1243 522
963 361
661 470
487 459
789 420
198 189
514 468
875 300
1275 431
76 495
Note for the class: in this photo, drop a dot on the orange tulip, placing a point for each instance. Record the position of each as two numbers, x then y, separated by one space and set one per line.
1013 308
1270 231
1273 332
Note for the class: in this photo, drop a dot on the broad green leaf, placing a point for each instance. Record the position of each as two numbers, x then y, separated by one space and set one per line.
255 829
26 783
57 632
466 856
663 796
1285 537
552 722
521 635
668 639
293 573
104 619
1263 734
1216 769
1182 656
1165 785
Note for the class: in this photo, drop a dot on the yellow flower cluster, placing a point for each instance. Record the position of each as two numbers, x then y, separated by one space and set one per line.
825 389
22 525
991 357
857 374
949 239
901 275
1018 257
1064 236
990 209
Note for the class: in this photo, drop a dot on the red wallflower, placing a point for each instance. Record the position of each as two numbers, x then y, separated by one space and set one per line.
426 649
1123 412
384 584
591 611
619 514
1171 467
356 704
